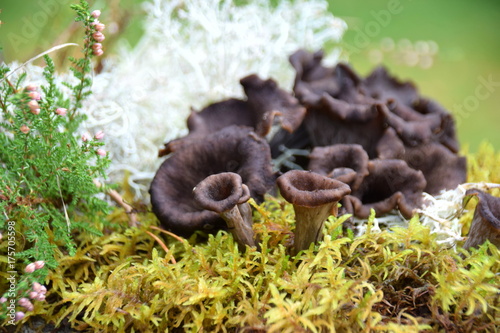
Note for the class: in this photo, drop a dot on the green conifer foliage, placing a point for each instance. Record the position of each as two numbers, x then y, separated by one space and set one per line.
47 194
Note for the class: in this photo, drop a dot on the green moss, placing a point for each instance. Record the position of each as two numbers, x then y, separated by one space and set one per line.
398 280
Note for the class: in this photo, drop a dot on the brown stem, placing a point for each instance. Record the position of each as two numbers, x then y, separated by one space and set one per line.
132 216
241 229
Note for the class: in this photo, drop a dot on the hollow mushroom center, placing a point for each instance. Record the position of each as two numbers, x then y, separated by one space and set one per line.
306 185
222 190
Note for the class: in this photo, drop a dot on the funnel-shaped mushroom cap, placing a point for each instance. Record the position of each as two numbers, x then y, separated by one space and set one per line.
314 197
390 184
486 220
269 101
225 194
309 189
221 192
266 101
345 162
232 149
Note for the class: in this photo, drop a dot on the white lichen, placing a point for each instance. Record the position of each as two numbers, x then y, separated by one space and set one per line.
441 213
191 54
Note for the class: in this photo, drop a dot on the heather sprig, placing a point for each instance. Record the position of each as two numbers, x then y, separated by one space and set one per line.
47 190
92 47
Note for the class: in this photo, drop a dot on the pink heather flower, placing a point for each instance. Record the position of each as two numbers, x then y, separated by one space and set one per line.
19 315
33 105
99 26
37 287
3 300
98 52
101 152
85 137
96 13
99 135
30 268
34 95
61 111
98 36
96 46
39 264
40 297
43 289
25 129
24 302
31 87
33 294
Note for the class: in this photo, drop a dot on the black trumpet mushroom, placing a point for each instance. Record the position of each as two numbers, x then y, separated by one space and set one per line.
442 169
314 197
225 194
486 220
390 184
345 162
234 149
387 117
265 105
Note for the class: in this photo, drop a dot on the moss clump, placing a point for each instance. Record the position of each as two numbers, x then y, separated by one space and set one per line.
398 280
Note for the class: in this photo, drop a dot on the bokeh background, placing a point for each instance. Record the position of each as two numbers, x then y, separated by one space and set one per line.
450 49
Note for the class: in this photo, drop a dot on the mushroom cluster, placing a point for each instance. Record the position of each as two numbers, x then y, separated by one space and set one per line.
372 143
388 118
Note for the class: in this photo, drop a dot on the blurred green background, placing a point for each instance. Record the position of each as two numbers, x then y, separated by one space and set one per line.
450 49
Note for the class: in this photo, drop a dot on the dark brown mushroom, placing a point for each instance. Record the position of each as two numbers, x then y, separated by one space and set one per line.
447 133
442 169
337 121
233 149
225 194
314 197
345 162
268 102
390 184
211 119
265 103
313 80
380 85
412 127
486 220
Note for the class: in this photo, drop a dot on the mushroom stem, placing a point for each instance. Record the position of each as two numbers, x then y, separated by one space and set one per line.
309 224
226 195
239 226
314 197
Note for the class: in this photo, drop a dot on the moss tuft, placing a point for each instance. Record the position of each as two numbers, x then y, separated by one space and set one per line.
398 280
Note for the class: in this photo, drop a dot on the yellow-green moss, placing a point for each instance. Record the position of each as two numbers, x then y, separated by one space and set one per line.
397 280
